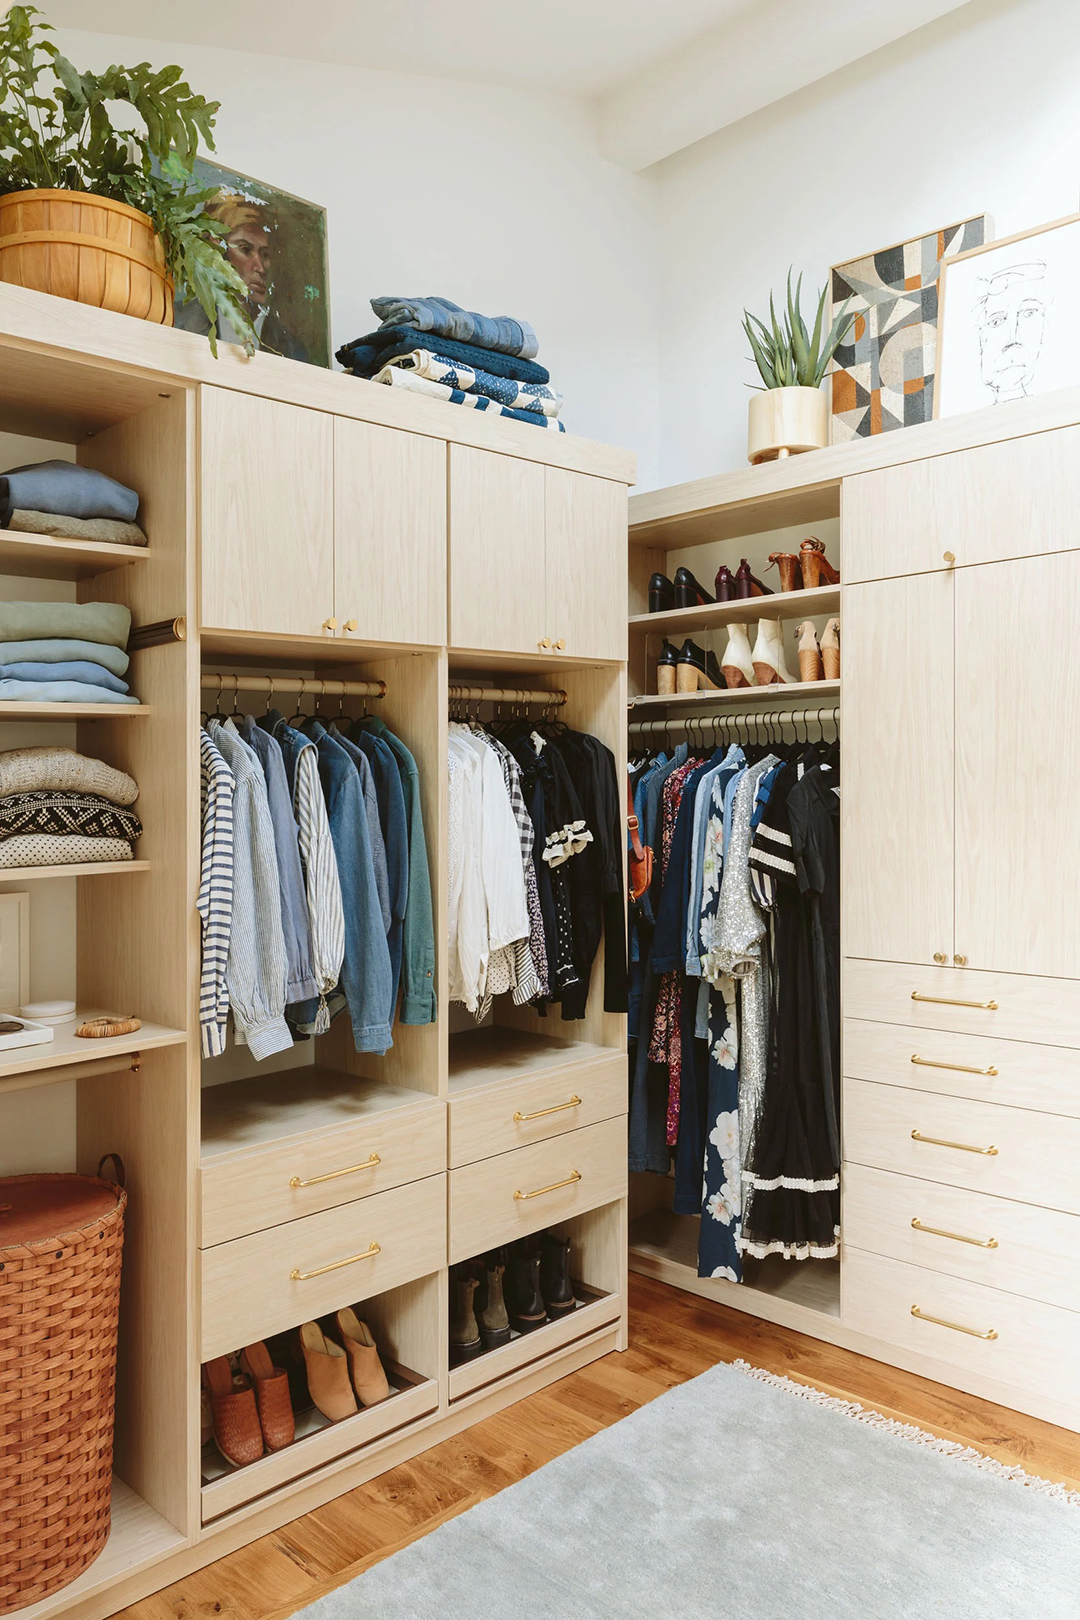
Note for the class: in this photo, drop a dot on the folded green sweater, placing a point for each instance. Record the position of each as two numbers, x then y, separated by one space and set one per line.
104 622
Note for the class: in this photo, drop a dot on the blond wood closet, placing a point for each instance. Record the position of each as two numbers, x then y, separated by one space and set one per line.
960 698
306 524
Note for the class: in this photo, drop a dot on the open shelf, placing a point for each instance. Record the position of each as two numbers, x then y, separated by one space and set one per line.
38 556
279 1110
594 1310
825 599
486 1057
778 696
27 874
138 1537
66 1048
69 711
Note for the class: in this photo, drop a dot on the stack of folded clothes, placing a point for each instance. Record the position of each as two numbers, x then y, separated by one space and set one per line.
64 652
431 346
58 807
70 503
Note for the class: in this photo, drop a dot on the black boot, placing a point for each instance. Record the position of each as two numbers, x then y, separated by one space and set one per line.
555 1284
524 1299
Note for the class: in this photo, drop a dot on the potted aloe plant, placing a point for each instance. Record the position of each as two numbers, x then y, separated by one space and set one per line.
86 211
790 412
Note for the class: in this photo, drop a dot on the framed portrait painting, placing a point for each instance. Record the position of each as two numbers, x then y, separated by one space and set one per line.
1008 326
277 243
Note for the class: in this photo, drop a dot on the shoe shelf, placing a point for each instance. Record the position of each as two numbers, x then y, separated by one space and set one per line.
24 1066
39 556
594 1310
822 601
779 695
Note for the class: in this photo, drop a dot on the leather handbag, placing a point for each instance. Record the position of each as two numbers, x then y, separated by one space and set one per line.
641 856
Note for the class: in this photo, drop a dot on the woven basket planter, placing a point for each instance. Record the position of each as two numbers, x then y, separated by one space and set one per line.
60 1247
91 249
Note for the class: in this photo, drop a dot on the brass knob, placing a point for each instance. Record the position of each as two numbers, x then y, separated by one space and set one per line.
961 961
560 646
949 556
545 645
940 957
351 624
329 624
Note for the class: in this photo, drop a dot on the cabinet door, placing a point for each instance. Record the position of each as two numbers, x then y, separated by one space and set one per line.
1014 499
498 595
389 532
267 514
897 799
586 563
1017 797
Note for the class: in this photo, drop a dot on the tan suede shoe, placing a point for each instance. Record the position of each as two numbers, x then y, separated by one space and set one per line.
368 1377
327 1373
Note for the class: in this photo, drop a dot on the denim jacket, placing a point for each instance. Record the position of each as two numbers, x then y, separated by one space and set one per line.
375 757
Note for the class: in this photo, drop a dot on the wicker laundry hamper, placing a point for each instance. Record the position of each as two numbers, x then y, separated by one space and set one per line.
60 1246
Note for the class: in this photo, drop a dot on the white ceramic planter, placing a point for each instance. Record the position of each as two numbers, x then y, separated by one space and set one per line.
787 421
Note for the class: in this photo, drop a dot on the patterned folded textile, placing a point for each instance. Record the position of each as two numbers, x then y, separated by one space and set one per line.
504 390
107 622
110 530
369 354
28 770
75 670
416 384
61 486
59 650
443 318
59 692
62 814
41 849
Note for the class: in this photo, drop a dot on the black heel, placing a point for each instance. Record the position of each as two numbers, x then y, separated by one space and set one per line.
688 592
661 594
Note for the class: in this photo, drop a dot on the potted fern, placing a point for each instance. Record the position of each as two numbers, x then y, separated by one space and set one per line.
86 211
791 413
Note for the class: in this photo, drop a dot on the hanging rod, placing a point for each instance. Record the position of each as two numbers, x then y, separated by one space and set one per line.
157 634
503 694
760 718
228 684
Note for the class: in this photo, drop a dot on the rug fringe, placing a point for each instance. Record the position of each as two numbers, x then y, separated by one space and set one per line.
915 1436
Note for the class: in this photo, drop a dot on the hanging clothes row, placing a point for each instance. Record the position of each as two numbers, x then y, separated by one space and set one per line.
535 866
734 994
314 896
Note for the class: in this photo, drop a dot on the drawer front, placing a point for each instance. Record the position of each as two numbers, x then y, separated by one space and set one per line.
997 1242
1036 1348
527 1111
254 1191
1037 1158
485 1212
248 1290
985 1068
1026 1008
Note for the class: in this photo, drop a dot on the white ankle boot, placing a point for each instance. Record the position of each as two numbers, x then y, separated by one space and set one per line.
768 655
737 664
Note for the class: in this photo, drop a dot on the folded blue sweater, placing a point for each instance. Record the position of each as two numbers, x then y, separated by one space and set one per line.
77 669
59 692
368 354
443 318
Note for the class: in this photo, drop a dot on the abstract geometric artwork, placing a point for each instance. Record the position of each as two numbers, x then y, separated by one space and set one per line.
883 376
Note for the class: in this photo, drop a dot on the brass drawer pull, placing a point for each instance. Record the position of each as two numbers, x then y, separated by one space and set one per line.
957 1327
960 1068
958 1237
575 1175
332 1175
965 1147
542 1113
335 1265
947 1001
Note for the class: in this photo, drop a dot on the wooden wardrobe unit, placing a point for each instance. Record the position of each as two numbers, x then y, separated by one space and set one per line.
960 701
308 524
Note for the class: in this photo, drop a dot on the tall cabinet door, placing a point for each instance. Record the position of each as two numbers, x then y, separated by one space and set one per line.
586 563
389 532
897 800
267 514
1017 797
498 576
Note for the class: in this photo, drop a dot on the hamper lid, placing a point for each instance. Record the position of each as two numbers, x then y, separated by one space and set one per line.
35 1208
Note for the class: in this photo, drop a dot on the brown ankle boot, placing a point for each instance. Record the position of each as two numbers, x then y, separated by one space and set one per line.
464 1333
493 1321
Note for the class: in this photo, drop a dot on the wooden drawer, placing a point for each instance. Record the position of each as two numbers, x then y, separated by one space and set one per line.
1035 1252
501 1118
1027 1008
1024 1075
1036 1348
484 1211
248 1289
247 1192
1037 1158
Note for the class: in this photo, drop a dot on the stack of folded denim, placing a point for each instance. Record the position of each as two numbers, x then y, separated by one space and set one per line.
70 503
431 346
64 652
58 807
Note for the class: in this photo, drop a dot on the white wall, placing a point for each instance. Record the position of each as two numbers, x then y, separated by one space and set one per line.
975 113
495 198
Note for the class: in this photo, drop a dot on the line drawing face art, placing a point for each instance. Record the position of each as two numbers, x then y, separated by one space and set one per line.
1011 312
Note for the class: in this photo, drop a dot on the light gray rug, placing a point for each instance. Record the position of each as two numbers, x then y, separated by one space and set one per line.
735 1498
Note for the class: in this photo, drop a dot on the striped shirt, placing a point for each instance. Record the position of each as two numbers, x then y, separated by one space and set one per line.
215 900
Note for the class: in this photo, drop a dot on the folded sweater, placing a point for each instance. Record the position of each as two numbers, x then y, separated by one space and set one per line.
369 354
61 650
414 383
111 530
24 770
42 849
74 670
106 622
59 692
443 318
60 814
61 486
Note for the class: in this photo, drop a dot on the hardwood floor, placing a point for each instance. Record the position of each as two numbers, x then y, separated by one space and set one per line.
673 1337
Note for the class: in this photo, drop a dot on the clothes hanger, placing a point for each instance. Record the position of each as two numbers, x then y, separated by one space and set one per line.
299 715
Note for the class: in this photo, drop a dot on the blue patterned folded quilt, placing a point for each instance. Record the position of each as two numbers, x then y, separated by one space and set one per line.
504 390
393 377
370 353
443 318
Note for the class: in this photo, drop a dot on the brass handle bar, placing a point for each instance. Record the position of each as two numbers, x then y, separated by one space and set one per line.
575 1175
960 1068
332 1175
335 1265
542 1113
939 1231
964 1147
947 1001
957 1327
